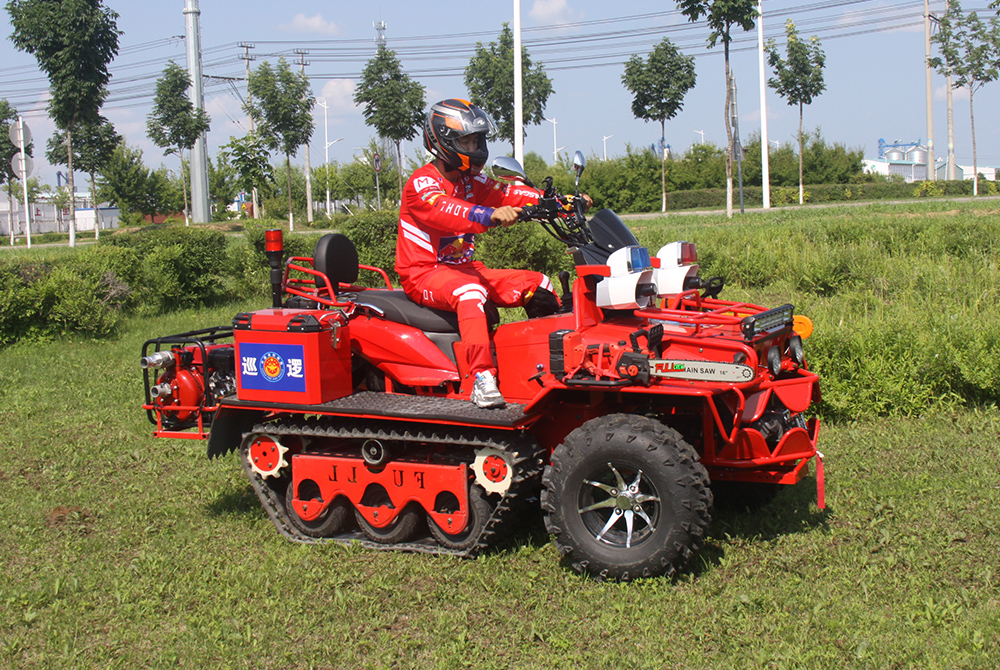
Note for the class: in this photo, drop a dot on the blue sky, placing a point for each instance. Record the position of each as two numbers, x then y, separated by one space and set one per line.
874 74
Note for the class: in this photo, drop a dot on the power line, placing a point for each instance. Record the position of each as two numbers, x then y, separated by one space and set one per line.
604 42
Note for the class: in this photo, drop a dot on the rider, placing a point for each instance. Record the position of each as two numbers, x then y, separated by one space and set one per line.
444 204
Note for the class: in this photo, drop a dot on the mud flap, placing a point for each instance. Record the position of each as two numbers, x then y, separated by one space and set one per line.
820 482
228 427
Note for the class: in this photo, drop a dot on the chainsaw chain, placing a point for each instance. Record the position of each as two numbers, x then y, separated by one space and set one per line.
527 458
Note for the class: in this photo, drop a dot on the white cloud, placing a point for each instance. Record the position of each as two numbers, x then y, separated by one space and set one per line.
310 24
957 95
339 95
552 11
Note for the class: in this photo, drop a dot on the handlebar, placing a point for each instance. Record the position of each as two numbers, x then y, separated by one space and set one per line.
561 216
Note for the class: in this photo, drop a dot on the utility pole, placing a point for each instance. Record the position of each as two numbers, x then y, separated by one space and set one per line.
246 46
380 27
930 92
309 188
518 89
199 153
765 165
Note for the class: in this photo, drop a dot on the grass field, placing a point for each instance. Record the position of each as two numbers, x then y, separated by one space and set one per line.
122 551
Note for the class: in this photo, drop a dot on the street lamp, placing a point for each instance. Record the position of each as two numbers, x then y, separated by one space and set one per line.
606 138
327 144
702 133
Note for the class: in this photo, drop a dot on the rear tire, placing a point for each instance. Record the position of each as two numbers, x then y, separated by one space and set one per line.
625 497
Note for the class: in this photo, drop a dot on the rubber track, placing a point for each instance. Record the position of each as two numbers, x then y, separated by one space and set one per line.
527 458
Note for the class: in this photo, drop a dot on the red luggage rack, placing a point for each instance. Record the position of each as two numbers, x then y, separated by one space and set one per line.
318 288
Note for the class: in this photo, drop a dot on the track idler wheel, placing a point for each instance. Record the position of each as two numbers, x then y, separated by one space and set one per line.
328 524
402 529
479 513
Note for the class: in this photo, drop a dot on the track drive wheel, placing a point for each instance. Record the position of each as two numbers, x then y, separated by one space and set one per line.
328 524
402 529
625 497
479 513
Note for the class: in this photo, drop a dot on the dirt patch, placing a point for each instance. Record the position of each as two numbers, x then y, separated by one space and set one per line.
70 517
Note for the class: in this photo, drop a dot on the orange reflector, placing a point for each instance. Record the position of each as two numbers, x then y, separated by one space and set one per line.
802 325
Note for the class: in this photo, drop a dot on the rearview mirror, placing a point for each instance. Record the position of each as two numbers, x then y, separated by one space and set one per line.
506 168
579 162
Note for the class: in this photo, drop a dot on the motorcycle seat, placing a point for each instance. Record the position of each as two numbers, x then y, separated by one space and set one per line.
337 257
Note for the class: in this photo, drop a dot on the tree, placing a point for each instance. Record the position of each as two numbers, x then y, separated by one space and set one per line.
490 80
799 78
248 157
393 103
970 54
722 15
658 86
92 151
174 124
73 42
282 108
135 189
222 186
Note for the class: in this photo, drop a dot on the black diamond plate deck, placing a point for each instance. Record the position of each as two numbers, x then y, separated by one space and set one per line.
399 406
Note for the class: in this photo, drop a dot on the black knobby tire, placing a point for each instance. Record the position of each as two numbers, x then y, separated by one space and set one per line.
479 513
625 497
402 529
332 521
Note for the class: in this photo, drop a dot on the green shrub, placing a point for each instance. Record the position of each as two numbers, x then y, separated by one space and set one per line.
180 266
42 300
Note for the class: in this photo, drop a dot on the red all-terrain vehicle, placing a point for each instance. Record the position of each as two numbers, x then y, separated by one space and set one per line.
349 406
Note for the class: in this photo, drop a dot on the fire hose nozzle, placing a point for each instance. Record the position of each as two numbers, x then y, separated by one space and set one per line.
161 359
161 391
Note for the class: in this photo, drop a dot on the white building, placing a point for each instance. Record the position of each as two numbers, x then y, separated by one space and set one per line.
47 218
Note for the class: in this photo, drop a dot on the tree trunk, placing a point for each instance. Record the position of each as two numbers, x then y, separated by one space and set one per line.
663 164
184 187
72 188
975 165
729 137
399 167
801 187
288 180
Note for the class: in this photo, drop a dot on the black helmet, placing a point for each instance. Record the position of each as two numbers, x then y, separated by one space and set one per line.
451 119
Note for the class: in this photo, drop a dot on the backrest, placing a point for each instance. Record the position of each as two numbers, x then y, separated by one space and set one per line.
336 257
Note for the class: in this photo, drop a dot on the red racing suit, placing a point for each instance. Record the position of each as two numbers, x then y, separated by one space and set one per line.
438 222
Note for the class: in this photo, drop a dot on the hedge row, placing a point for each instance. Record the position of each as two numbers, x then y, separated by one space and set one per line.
715 198
142 271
